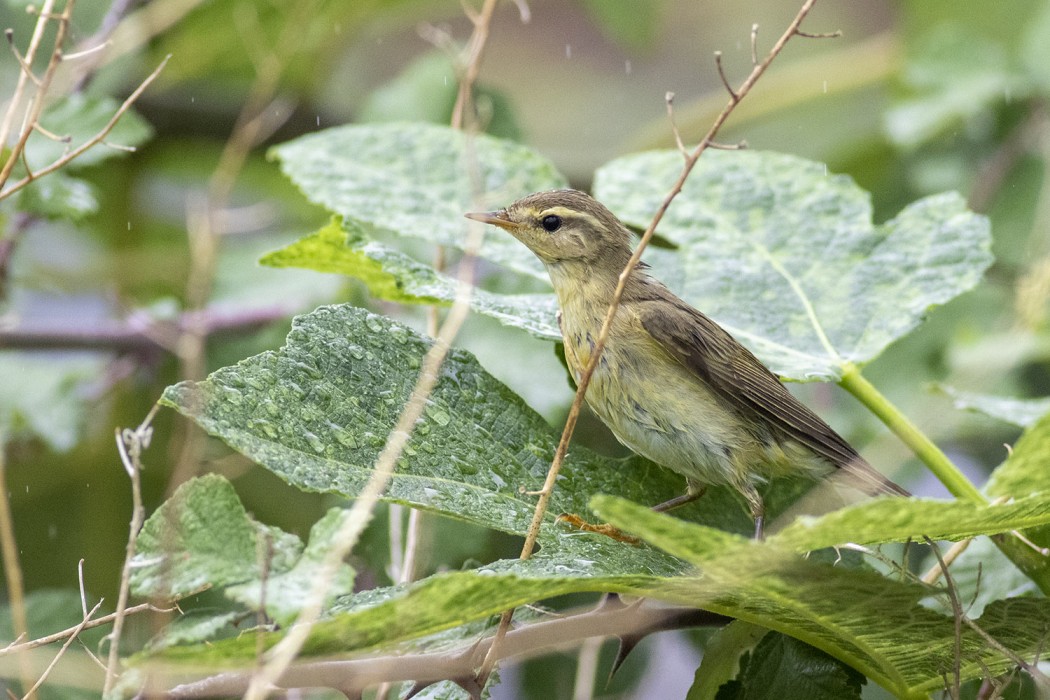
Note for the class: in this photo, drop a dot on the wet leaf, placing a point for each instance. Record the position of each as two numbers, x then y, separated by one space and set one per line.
416 180
202 537
787 258
346 249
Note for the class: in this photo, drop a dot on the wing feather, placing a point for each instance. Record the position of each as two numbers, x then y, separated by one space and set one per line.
709 351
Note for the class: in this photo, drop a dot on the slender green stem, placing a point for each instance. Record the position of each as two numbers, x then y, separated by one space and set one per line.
1032 563
948 474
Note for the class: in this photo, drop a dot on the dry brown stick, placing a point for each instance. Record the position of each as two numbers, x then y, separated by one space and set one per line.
77 630
90 143
25 76
203 227
282 655
66 633
13 568
574 411
36 107
130 444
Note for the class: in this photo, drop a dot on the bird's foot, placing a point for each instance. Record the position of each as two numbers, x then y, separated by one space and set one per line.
601 528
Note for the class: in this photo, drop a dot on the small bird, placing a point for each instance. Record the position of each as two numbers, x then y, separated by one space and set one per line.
672 384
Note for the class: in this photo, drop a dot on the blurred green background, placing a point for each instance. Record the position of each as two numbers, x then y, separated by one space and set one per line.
913 98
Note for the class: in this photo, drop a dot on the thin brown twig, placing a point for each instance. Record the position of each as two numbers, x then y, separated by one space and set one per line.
254 122
282 655
61 652
725 80
957 618
130 444
66 633
12 567
540 511
25 75
36 107
472 65
669 99
95 140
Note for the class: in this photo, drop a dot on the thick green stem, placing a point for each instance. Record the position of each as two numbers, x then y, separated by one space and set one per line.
1032 563
948 474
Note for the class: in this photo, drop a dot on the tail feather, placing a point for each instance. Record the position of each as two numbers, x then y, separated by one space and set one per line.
860 475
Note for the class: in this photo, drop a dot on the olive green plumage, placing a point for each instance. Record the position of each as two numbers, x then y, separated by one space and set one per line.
671 384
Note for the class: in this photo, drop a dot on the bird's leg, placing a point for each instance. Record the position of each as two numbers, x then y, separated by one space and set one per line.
756 506
692 494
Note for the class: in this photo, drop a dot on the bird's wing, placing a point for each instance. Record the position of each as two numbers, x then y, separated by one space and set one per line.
706 349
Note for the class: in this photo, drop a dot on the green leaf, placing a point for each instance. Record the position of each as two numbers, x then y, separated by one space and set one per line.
318 411
782 668
345 248
285 590
1025 471
787 258
195 627
902 519
955 76
1020 412
416 180
202 537
44 398
872 623
57 196
631 23
722 656
80 118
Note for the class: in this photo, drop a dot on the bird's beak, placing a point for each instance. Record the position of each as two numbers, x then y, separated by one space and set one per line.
496 218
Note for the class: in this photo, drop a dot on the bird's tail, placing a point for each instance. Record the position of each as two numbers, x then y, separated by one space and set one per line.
858 474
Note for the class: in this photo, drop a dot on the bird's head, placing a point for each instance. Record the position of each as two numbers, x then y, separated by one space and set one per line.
565 226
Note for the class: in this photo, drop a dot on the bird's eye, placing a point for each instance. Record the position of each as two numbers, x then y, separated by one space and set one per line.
551 223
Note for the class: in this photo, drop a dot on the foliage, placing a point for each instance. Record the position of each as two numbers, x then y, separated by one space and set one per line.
866 244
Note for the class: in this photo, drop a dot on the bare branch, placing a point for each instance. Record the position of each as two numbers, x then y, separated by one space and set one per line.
824 35
130 444
754 44
669 98
27 70
24 76
585 378
62 651
740 146
725 80
93 141
36 107
562 632
65 634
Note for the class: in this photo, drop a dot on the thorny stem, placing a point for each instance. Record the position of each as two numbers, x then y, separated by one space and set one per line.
565 631
585 378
